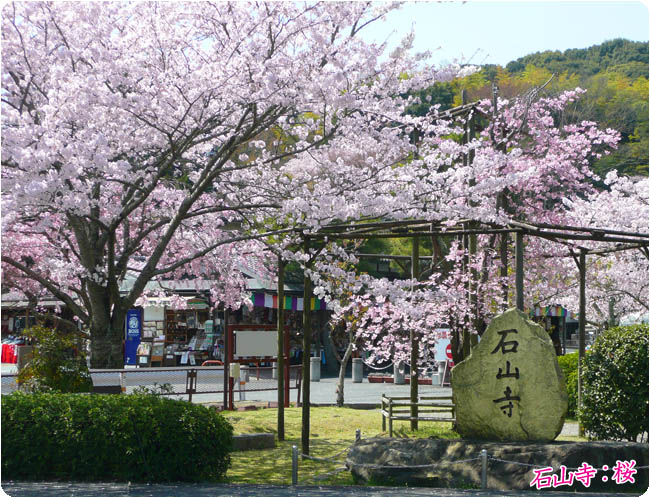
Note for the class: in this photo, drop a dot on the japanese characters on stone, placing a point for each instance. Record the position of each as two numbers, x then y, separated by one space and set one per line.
505 347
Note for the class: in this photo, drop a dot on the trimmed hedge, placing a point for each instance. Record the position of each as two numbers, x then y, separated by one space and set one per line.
615 397
92 437
569 365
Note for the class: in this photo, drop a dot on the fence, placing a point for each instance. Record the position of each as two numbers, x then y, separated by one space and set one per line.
183 381
399 408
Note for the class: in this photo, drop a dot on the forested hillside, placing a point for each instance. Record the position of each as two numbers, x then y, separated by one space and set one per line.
614 73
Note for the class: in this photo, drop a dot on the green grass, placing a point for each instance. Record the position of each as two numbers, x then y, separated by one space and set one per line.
331 431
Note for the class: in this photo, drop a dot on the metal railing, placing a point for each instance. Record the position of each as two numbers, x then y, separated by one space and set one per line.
180 381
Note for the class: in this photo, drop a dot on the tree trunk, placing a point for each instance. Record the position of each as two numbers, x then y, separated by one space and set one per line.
341 383
107 338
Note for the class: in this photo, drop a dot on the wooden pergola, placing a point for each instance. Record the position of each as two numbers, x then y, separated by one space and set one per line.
465 230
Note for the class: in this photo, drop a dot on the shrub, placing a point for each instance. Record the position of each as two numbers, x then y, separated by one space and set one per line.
55 364
92 437
569 365
615 396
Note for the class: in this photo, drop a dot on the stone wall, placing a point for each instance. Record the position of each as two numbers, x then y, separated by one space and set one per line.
407 453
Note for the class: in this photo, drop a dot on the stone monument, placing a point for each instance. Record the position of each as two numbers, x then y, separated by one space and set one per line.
511 387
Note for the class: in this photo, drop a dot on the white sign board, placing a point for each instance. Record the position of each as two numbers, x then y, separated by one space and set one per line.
442 343
256 343
441 349
444 339
153 313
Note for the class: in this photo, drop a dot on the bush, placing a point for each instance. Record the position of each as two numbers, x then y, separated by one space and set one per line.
569 365
55 364
615 396
93 437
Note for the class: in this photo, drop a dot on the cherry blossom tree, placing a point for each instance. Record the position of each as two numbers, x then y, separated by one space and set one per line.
134 134
131 133
617 282
525 163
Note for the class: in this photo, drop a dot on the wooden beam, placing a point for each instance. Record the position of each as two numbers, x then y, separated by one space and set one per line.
595 231
540 232
388 256
397 235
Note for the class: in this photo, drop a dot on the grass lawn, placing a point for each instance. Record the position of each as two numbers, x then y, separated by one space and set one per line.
332 430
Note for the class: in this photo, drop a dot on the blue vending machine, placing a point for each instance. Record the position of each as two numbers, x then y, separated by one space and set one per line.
133 335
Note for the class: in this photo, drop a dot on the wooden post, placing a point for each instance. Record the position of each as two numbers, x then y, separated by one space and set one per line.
563 334
501 203
472 285
503 254
415 271
519 269
581 330
226 362
280 362
306 354
468 337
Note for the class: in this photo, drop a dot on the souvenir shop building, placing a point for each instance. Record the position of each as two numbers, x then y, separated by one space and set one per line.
183 327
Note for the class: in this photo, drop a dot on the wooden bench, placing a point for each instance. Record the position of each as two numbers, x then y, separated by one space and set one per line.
399 408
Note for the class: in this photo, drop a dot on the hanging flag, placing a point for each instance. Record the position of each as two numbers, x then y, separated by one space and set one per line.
259 299
264 300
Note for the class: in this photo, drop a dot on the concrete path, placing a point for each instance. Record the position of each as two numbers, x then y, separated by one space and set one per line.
17 488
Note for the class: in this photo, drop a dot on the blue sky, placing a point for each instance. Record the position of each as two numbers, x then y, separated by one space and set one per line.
504 31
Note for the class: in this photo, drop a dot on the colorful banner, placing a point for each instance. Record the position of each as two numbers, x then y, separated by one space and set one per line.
556 311
264 300
133 333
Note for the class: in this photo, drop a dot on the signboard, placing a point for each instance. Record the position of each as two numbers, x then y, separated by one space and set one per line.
256 343
441 350
133 333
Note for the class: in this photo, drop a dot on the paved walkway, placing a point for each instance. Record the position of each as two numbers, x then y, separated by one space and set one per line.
14 488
